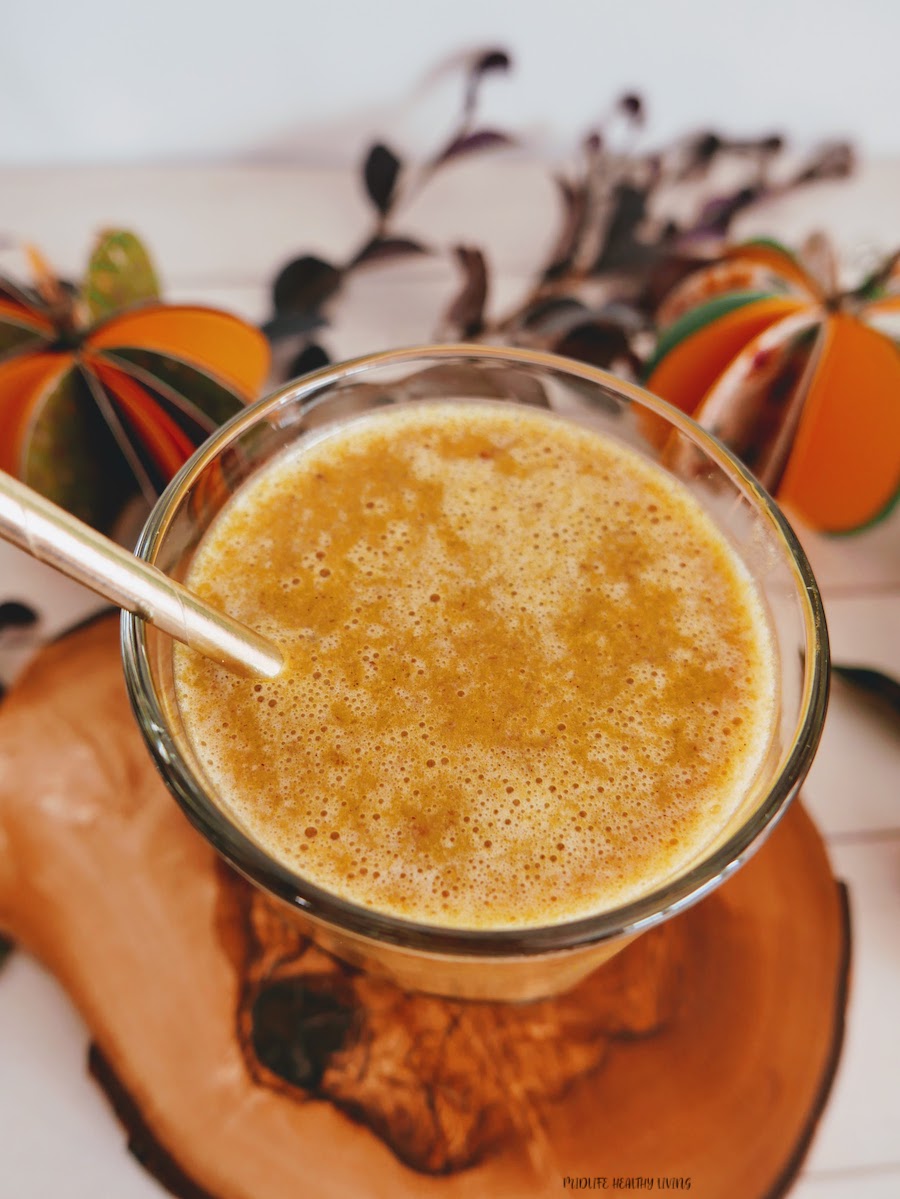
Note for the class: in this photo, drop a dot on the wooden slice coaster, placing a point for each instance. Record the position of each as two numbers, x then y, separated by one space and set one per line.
247 1064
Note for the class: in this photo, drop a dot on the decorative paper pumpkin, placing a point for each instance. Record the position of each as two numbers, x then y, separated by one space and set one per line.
800 379
104 390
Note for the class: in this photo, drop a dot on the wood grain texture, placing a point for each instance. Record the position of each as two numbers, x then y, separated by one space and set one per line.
248 1063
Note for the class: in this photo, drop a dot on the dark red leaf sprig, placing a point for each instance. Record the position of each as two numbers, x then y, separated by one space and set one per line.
305 285
618 248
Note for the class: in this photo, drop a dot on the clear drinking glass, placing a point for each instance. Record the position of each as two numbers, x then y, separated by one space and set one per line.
507 964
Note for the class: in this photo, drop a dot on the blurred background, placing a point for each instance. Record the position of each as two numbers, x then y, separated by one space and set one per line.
193 80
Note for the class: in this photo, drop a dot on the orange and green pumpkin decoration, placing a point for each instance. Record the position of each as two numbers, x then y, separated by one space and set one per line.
799 378
105 391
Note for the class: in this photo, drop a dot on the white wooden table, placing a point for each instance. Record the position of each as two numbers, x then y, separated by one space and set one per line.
219 235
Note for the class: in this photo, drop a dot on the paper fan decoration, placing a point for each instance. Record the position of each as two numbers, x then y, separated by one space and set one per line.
104 390
799 378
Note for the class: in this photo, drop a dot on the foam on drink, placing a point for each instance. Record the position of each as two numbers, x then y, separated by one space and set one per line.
526 677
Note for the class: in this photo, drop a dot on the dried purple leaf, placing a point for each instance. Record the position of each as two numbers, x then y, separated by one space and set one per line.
311 358
875 684
481 64
769 144
380 249
628 316
289 324
574 198
465 314
615 240
632 106
699 154
670 268
600 343
622 249
467 143
16 615
491 60
380 172
835 160
305 284
717 214
554 314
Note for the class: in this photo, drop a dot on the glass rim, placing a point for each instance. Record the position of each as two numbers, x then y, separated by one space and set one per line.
666 899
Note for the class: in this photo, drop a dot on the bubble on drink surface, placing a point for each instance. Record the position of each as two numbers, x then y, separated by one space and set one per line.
526 673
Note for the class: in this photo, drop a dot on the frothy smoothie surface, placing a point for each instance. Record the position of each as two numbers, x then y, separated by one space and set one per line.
526 678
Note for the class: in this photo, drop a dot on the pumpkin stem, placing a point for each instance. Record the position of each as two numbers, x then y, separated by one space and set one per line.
48 286
818 256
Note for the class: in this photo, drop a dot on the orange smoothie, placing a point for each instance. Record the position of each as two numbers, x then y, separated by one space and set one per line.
526 679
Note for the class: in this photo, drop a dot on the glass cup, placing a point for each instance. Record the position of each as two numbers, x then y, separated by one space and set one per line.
504 964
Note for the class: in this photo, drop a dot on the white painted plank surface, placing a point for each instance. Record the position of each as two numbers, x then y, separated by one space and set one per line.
861 1124
854 784
850 1184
